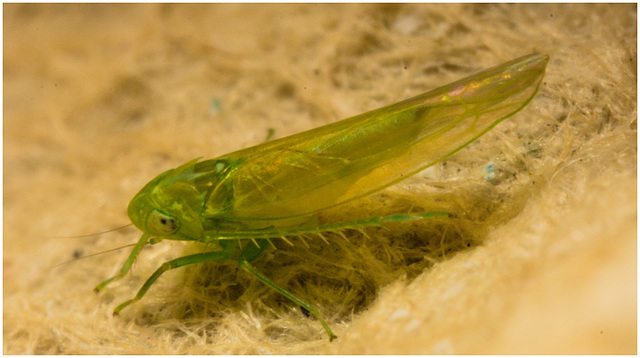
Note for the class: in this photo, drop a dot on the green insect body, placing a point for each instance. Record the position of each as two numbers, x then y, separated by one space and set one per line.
276 189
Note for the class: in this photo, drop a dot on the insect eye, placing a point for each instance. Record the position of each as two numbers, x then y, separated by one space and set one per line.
161 224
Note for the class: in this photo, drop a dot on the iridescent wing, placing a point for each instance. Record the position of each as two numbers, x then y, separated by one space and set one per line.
311 171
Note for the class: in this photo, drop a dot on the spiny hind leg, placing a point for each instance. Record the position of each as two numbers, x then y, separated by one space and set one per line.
380 220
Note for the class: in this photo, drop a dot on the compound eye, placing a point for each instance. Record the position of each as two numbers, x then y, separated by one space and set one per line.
161 224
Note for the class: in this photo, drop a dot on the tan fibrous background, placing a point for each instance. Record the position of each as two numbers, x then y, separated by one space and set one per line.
539 258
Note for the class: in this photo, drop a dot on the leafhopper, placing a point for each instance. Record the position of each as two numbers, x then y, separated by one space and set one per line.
244 199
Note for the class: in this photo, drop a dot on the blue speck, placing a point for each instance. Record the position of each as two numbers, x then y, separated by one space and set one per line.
489 171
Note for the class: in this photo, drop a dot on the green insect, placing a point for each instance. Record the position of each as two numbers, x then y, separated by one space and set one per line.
276 189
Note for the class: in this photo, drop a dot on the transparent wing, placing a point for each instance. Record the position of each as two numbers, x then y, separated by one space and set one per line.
300 175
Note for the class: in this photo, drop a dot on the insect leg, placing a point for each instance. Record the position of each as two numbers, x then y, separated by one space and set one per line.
380 220
250 253
127 264
227 253
250 269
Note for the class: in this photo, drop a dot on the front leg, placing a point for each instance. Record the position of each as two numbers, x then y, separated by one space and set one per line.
127 264
226 254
